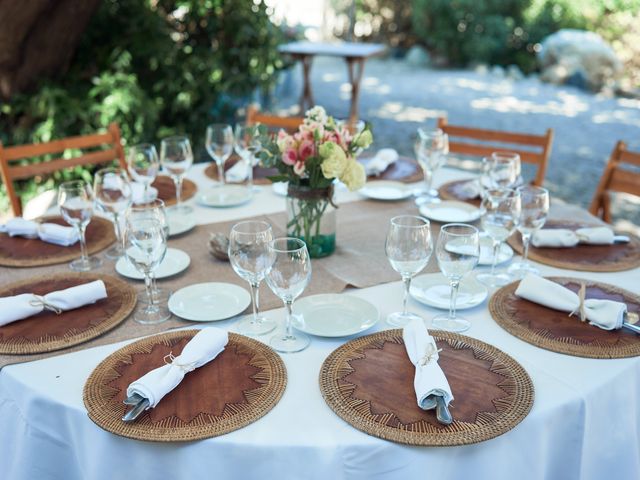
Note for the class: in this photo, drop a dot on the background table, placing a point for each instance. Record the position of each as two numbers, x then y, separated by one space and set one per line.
584 422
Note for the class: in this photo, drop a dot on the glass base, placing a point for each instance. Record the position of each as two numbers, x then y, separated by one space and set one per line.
443 322
247 326
180 210
152 315
85 264
290 343
400 319
519 269
498 279
114 253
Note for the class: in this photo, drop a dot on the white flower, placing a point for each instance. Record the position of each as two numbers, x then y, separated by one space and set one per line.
316 114
354 176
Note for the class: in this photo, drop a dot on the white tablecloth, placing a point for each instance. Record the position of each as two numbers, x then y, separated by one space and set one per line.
584 422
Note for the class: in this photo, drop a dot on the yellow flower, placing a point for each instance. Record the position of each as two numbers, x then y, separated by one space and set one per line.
354 176
364 139
334 160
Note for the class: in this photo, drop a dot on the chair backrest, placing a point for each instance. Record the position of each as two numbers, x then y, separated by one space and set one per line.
479 142
289 124
617 177
110 149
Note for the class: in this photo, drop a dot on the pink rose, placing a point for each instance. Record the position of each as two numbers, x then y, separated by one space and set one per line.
305 150
290 156
298 168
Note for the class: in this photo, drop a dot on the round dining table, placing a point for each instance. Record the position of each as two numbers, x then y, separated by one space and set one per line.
584 423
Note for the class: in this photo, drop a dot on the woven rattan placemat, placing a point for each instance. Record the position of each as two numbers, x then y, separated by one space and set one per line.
237 388
557 331
167 189
368 382
48 331
404 170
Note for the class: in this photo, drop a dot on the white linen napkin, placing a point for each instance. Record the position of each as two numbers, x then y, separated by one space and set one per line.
206 345
47 232
429 378
238 172
138 196
27 304
561 237
381 161
605 314
470 189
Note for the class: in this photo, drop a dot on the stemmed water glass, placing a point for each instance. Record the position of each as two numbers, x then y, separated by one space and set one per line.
505 169
250 258
287 277
247 145
408 247
75 200
500 214
113 195
533 215
143 164
176 158
457 252
145 248
431 149
219 143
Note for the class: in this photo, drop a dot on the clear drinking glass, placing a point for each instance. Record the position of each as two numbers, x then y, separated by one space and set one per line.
533 215
176 158
145 248
247 145
431 149
250 258
500 213
287 277
505 169
219 143
457 252
408 247
75 200
144 165
113 196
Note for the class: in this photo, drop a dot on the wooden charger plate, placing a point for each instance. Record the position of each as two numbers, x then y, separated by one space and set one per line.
368 382
404 170
589 258
556 331
260 174
33 252
237 388
453 191
47 331
167 189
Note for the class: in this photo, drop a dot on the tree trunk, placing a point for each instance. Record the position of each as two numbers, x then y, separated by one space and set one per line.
38 39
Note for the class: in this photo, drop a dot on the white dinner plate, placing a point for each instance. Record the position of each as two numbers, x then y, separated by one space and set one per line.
175 261
486 251
450 211
433 290
385 190
225 196
206 302
334 315
179 224
280 188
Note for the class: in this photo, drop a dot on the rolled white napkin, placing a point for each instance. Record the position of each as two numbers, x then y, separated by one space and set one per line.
381 161
423 353
47 232
202 348
138 196
25 305
561 237
238 172
606 314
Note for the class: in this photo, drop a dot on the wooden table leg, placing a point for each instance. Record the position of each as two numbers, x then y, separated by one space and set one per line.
355 67
306 98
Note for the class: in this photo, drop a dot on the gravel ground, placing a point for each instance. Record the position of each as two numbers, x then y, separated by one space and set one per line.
397 98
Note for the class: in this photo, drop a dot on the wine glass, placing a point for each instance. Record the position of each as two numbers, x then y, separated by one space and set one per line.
288 276
458 251
250 258
219 143
143 164
431 149
505 169
500 213
75 200
145 248
533 215
113 195
176 158
408 247
247 145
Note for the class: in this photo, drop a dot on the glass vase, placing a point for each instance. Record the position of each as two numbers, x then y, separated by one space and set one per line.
311 217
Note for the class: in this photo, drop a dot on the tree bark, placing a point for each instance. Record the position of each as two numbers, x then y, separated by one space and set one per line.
38 39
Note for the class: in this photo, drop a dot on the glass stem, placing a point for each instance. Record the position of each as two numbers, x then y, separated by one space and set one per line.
254 300
178 182
526 240
428 180
288 330
496 248
405 298
83 243
221 178
118 231
148 286
154 286
455 284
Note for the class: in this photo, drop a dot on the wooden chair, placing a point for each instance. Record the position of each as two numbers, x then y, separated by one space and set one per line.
617 177
289 124
106 148
484 142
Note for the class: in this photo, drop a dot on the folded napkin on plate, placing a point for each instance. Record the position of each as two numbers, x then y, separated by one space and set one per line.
47 232
470 189
238 172
561 237
27 304
202 348
605 314
138 196
381 161
429 380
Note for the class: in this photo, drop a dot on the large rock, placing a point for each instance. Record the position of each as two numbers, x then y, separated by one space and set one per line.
578 57
417 57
